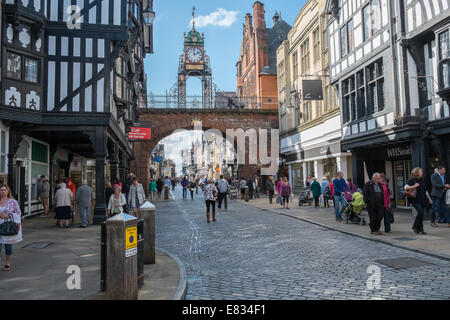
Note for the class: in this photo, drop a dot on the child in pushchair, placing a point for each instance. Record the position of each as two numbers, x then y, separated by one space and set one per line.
354 209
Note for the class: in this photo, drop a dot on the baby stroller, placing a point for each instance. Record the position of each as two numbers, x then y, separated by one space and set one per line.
305 197
354 209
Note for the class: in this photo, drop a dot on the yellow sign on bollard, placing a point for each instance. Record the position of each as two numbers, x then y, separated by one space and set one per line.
131 241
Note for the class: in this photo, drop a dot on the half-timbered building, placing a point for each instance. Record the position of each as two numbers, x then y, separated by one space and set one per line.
73 77
384 63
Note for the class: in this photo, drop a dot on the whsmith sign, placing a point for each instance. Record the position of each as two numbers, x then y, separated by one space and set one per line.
399 152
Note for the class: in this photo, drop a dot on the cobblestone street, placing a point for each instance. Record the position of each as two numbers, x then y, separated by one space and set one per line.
251 253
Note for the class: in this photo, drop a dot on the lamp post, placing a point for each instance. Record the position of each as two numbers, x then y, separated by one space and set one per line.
148 14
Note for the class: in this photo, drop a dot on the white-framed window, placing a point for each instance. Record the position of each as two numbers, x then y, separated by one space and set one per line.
371 19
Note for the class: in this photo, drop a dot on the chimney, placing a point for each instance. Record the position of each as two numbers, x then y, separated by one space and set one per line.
258 15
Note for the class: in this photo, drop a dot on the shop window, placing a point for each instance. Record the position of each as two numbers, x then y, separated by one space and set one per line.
39 152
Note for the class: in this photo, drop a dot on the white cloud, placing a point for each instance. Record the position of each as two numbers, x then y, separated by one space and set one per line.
219 18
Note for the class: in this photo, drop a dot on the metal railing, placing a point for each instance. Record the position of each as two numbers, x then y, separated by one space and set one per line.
217 102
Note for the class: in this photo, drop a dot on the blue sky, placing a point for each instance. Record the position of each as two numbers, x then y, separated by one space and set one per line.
221 21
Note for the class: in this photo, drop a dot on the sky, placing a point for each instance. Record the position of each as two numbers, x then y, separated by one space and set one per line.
222 23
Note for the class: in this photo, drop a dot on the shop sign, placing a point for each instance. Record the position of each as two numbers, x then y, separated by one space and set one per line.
399 152
139 134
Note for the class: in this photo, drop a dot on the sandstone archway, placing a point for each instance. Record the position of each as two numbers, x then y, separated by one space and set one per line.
166 121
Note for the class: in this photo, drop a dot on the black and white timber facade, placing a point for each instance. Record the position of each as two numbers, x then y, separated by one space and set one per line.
72 78
389 61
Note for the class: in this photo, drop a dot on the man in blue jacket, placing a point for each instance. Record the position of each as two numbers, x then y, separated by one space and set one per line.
339 185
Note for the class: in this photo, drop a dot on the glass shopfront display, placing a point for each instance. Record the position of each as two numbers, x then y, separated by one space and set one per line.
402 171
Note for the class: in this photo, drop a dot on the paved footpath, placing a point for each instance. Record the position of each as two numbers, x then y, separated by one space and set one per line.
252 253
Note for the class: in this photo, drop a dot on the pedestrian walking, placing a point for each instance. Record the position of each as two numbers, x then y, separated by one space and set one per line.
326 192
316 191
270 188
374 199
388 215
70 185
83 199
9 210
256 186
159 186
136 196
339 187
223 193
192 187
63 203
251 187
438 193
116 202
286 191
243 184
210 199
185 183
417 194
44 193
152 189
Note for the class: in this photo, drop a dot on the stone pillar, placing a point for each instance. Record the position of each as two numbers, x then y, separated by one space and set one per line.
247 195
341 162
316 169
121 260
166 193
320 170
147 212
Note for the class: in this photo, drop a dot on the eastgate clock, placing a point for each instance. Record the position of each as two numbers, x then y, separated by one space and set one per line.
194 54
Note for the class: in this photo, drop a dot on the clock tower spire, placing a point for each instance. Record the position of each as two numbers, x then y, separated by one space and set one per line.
194 63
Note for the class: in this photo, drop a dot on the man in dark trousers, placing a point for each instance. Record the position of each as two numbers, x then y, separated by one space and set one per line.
374 199
251 188
270 188
438 197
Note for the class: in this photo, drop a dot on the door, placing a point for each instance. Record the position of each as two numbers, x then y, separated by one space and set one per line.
401 176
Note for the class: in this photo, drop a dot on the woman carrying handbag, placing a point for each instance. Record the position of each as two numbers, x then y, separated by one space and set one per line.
9 214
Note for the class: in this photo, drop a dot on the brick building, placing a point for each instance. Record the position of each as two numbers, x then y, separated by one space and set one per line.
256 67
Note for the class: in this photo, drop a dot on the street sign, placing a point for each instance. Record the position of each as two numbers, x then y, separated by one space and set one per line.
131 242
312 90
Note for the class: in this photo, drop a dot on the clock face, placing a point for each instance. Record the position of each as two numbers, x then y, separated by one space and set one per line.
194 54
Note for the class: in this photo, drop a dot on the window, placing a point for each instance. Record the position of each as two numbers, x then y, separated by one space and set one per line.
281 75
295 65
347 39
305 56
136 9
31 70
363 93
121 84
371 19
2 151
14 66
316 36
16 63
307 114
444 60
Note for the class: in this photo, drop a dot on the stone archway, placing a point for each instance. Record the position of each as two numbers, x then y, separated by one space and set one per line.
166 121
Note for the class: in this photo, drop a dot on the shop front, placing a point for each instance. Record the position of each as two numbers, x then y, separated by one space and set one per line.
318 162
4 136
32 158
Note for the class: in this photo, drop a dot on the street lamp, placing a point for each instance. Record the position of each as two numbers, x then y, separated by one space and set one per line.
148 14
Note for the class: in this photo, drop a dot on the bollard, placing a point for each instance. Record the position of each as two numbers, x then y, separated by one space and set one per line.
246 194
121 257
166 193
140 253
103 257
147 212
